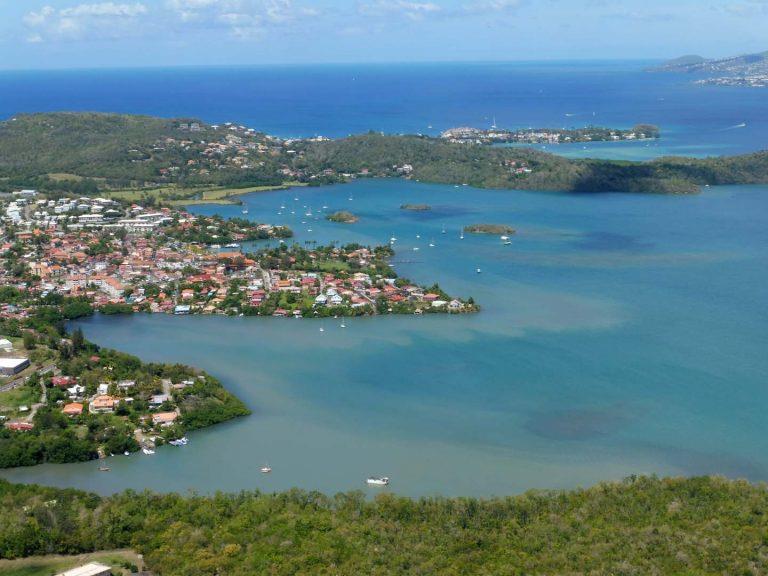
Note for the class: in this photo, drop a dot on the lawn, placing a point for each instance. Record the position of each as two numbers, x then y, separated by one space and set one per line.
21 396
189 196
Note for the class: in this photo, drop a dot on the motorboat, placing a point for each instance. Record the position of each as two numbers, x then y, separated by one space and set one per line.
148 451
266 469
377 481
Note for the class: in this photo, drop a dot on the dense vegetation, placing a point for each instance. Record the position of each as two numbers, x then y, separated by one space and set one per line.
638 526
84 153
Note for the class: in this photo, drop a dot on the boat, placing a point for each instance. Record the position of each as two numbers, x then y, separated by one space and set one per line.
343 325
179 442
376 481
479 271
322 329
148 451
443 230
415 248
266 469
232 245
245 210
504 238
507 242
431 243
126 453
104 468
461 236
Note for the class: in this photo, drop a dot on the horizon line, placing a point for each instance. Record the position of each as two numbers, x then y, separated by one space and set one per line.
329 64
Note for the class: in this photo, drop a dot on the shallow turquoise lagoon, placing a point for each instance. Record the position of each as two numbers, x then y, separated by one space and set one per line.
619 334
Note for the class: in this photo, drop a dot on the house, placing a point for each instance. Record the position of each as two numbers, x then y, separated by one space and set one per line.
102 389
76 391
19 426
102 404
6 345
63 381
11 366
164 418
73 409
159 399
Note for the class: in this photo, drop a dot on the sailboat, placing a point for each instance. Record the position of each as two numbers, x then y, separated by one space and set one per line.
431 243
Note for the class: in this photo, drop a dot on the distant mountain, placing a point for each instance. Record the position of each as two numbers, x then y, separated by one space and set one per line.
744 65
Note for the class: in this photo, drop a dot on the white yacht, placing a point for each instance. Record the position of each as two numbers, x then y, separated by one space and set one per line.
148 451
377 481
266 469
479 271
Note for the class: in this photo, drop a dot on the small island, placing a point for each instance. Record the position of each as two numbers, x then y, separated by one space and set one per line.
416 207
489 229
343 217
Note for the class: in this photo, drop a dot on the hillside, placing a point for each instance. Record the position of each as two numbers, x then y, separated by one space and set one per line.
748 70
90 153
638 526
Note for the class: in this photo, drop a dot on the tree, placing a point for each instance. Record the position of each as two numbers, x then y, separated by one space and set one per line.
30 342
78 339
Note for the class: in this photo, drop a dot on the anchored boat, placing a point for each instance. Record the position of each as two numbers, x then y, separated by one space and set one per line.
376 481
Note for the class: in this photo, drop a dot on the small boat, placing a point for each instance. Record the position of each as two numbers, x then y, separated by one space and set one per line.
431 243
461 236
342 325
415 248
376 481
322 329
104 468
148 451
266 469
507 242
443 230
179 442
232 245
418 236
504 238
126 453
479 271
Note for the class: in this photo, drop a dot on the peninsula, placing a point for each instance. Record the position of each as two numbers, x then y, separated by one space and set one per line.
749 70
160 161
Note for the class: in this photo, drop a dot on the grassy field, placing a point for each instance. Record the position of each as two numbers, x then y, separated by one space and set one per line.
190 196
21 396
54 564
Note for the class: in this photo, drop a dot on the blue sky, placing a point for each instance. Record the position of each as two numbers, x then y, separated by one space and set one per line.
85 33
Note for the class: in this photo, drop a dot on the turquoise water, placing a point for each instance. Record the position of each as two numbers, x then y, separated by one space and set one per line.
619 334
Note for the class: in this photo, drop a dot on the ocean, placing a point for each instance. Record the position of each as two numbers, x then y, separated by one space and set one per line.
337 100
619 334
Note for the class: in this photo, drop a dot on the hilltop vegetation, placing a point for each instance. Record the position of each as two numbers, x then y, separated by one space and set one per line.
638 526
91 153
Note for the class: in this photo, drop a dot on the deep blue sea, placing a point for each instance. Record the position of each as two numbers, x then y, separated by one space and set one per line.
336 100
619 334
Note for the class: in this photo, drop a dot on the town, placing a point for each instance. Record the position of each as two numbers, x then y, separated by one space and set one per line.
495 135
63 399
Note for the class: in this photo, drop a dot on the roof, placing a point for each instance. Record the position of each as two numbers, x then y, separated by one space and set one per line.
12 362
91 569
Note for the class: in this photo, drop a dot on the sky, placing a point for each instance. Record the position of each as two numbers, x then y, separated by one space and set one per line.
53 34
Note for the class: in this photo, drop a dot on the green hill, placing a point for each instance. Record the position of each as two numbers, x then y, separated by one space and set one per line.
693 526
87 153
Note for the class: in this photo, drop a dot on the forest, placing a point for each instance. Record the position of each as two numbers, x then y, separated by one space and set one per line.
638 526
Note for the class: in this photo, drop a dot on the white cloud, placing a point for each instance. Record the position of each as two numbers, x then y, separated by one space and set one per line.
242 18
410 10
99 20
